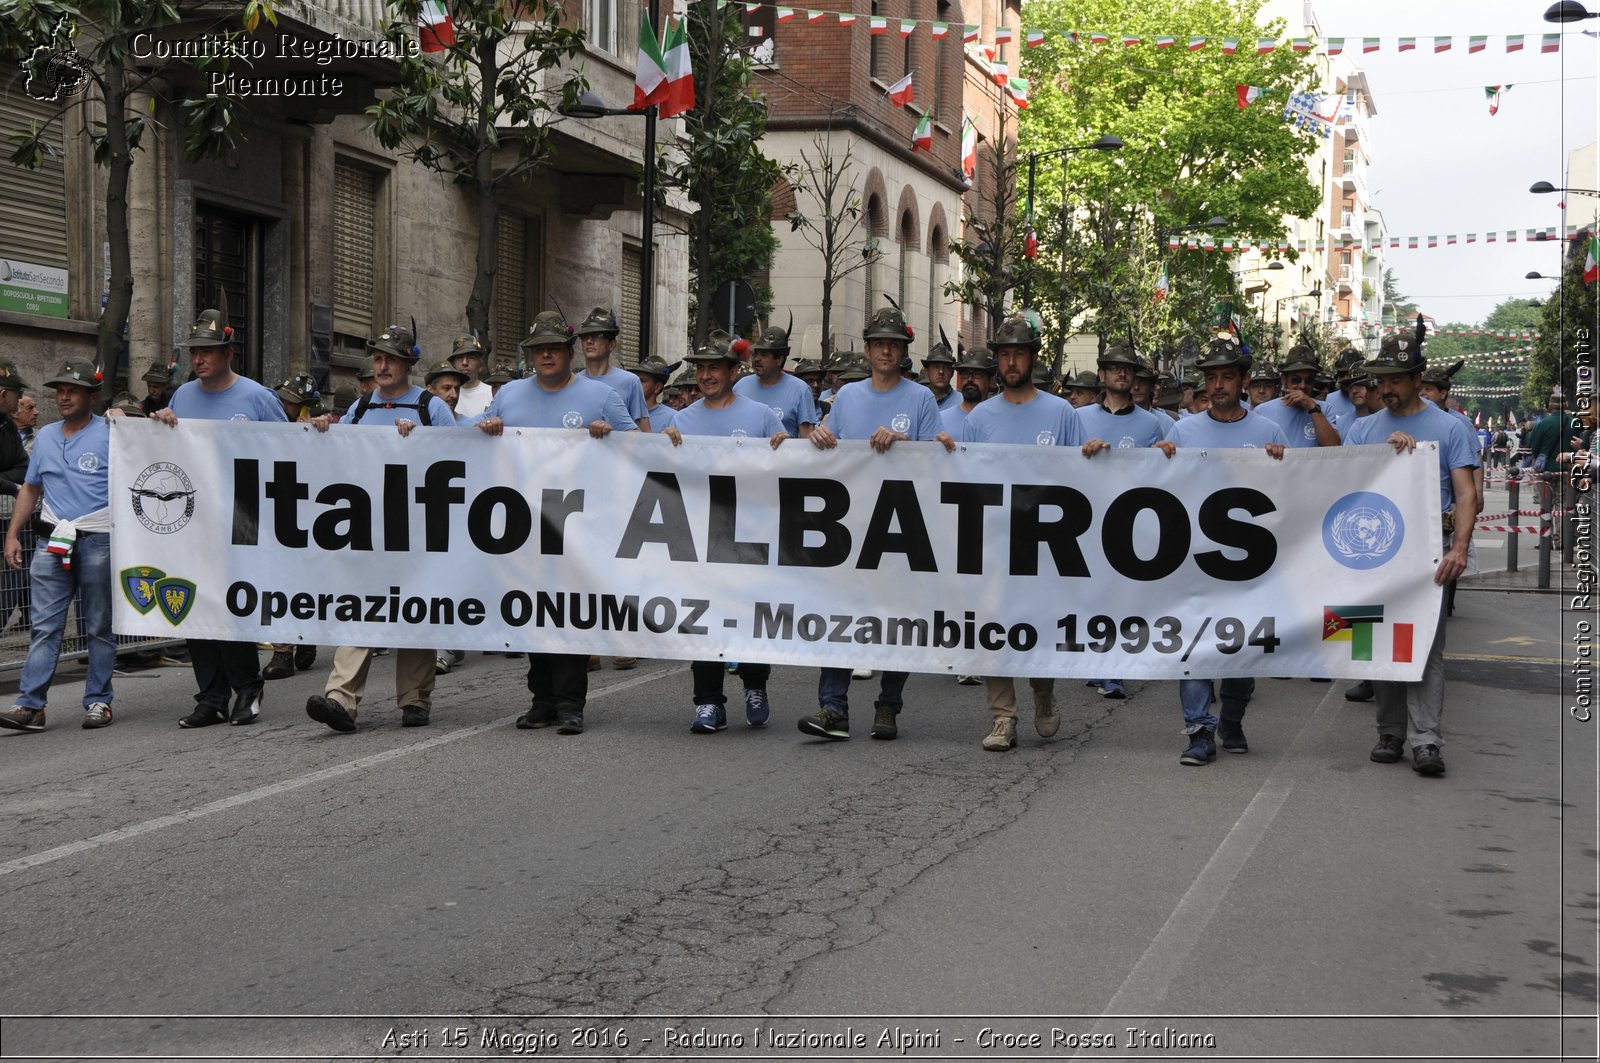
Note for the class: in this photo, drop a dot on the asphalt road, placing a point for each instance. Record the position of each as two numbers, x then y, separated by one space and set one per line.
1298 901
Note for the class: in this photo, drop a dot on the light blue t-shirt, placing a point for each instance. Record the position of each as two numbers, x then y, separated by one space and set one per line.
1457 446
953 419
243 400
405 407
1133 427
661 417
951 400
1298 427
524 404
908 407
1043 421
627 385
826 395
1337 406
743 417
75 472
790 398
1203 430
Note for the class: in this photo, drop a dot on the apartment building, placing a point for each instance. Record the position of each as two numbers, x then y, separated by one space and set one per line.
320 236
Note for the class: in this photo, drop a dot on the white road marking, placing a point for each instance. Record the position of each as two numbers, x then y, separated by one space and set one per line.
211 808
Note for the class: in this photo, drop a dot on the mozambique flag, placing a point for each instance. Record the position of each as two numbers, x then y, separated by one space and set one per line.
1354 624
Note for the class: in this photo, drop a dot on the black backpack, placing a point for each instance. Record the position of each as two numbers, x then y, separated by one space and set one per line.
365 403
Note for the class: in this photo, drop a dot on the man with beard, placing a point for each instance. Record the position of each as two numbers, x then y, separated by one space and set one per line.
1021 415
975 382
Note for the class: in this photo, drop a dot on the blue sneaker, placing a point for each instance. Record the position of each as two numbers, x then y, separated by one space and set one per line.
1202 749
709 719
756 708
1112 688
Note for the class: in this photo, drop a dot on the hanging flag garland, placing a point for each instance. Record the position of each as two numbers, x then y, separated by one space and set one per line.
1476 43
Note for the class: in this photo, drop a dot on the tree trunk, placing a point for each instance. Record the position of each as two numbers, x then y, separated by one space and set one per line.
119 300
482 297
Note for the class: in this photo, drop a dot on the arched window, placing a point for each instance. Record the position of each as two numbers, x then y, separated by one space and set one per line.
938 257
908 244
870 281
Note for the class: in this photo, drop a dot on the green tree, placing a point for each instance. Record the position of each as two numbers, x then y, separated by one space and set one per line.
479 112
1190 154
1567 326
722 170
1491 362
99 34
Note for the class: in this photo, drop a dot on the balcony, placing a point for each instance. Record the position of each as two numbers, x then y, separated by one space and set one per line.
1346 277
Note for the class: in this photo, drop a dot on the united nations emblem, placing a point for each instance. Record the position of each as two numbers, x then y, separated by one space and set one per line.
88 462
1363 530
1045 438
1125 443
901 422
572 419
163 498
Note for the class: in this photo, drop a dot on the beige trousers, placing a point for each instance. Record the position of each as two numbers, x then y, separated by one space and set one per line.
1003 694
413 677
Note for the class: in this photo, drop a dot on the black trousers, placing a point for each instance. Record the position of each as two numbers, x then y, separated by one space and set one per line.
709 677
559 682
223 669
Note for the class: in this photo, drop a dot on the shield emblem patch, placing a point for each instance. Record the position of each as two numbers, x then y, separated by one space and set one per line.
139 587
174 597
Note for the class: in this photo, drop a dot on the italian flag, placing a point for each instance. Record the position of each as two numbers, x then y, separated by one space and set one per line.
785 14
1096 37
1301 44
1408 44
1514 42
1266 46
679 96
1551 42
650 78
1369 44
1035 38
879 25
940 30
1247 94
1017 89
1477 44
969 148
922 139
969 34
1441 44
1129 41
1591 261
908 26
1003 35
1165 41
435 31
1335 45
814 16
846 18
1493 94
901 92
1196 43
1230 45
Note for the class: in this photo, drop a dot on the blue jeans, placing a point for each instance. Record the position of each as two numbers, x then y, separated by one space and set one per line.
1195 696
833 689
53 589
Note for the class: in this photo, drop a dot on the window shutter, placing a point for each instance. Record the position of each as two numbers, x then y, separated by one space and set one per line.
355 297
628 342
33 203
509 316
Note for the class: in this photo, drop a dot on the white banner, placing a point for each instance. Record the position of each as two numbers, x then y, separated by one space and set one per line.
996 560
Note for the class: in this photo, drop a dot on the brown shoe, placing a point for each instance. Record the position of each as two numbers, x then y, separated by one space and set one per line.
1046 720
622 664
18 718
1003 737
594 664
281 666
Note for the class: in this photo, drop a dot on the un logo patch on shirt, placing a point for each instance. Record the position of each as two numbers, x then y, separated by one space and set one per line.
901 422
1363 530
88 462
1046 438
572 419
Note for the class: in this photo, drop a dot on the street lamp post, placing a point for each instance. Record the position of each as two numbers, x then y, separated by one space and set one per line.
1108 142
1277 310
590 106
1568 11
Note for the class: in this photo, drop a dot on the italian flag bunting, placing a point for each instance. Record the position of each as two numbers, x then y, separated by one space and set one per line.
1017 89
1514 43
1369 44
1096 37
1301 44
1246 94
680 73
908 26
1493 94
1477 44
879 25
1035 38
785 14
1266 46
435 31
814 16
1550 43
846 18
1230 45
1129 41
1196 43
1003 35
1335 45
969 34
1408 44
940 30
922 139
650 78
1441 44
1591 261
1165 41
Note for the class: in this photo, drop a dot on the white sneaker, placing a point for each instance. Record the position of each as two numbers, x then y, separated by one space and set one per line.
441 664
861 673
